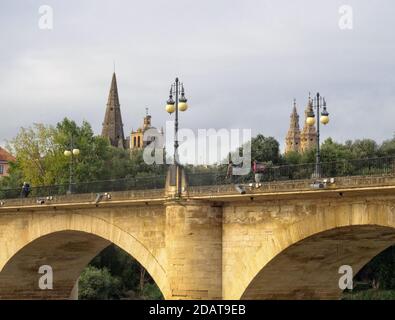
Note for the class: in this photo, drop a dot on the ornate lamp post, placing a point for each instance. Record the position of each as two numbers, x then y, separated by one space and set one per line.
179 104
72 153
319 102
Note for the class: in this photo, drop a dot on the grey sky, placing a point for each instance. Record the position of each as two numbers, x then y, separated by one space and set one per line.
242 63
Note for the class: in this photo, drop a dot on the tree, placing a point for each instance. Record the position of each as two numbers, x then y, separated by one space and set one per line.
333 151
380 271
98 284
136 283
387 148
40 159
292 157
365 148
119 264
309 156
92 163
265 149
37 154
15 178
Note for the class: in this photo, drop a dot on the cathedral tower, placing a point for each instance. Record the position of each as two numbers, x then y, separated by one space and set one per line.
136 140
308 138
112 125
292 141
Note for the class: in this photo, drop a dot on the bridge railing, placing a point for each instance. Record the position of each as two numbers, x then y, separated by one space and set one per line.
360 167
218 176
138 183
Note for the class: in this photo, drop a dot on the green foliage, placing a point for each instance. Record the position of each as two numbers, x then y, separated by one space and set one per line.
37 154
308 156
152 292
134 281
333 151
380 271
113 274
365 148
265 149
98 284
370 294
292 158
387 148
15 178
119 264
376 280
40 158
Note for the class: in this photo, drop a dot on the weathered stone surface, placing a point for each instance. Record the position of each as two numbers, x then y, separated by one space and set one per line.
281 241
38 237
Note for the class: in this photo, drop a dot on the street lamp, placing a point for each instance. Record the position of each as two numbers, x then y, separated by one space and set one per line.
179 104
319 102
72 153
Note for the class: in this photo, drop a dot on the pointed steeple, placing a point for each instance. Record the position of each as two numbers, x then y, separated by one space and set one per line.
112 125
292 140
295 117
309 133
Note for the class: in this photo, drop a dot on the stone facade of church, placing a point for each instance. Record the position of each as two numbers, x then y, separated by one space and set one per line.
138 141
297 140
113 125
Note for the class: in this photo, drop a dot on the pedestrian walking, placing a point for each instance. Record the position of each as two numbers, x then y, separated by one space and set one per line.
229 173
25 190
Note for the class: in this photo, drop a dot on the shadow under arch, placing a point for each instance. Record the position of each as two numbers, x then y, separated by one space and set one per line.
309 269
375 280
67 243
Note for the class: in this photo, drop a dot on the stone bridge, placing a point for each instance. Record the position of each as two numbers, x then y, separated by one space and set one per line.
283 240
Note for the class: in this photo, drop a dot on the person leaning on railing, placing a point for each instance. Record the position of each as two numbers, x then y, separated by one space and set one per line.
264 168
258 169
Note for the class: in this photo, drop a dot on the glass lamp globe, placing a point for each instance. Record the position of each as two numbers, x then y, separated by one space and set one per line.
170 108
324 119
310 121
67 153
183 106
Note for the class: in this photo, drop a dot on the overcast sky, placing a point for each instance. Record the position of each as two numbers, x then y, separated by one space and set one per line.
242 63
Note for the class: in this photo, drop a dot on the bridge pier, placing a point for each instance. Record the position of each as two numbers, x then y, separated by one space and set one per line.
194 250
74 291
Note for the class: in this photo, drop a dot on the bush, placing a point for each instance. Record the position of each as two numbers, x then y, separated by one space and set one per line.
371 294
98 284
151 292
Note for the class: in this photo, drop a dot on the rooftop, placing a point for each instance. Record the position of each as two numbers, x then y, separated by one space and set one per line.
5 155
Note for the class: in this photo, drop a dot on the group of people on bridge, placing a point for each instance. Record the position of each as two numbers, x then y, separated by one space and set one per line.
258 168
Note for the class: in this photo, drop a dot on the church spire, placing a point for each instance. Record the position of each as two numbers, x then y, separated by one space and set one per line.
309 134
112 125
293 136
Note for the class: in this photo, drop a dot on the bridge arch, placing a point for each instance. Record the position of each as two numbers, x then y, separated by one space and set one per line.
68 241
302 259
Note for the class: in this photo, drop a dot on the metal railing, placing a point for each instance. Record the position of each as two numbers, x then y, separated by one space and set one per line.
218 176
360 167
128 184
